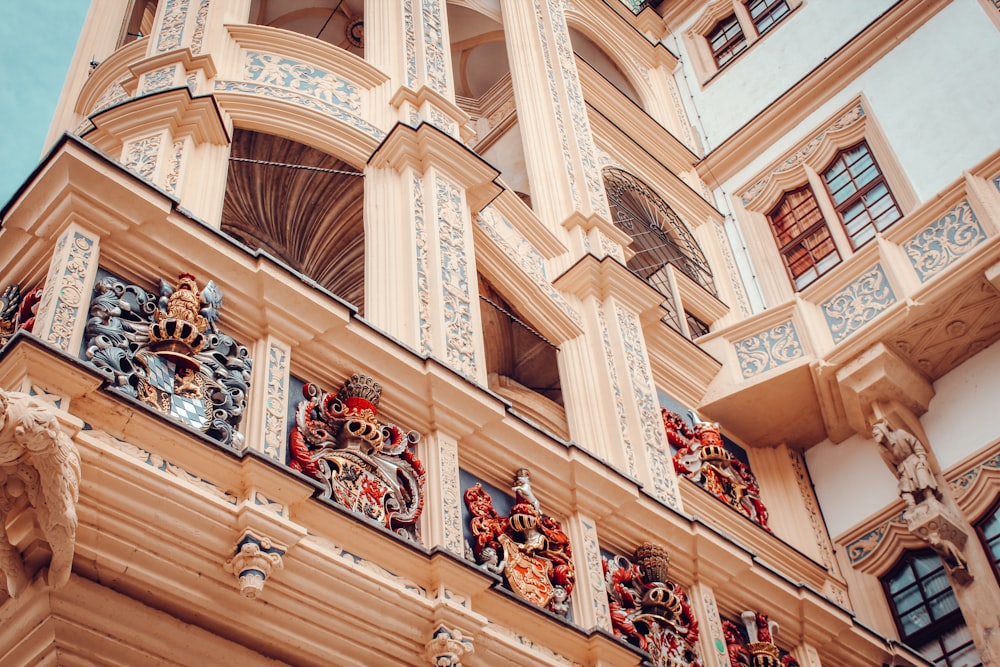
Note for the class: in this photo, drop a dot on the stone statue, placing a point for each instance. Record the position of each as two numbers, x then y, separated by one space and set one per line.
39 467
907 459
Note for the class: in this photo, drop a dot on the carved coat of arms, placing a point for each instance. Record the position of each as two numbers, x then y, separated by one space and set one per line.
367 466
527 547
755 647
703 458
649 610
169 353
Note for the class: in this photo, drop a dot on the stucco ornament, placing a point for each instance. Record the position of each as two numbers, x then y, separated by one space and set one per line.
255 558
447 648
40 468
926 516
528 548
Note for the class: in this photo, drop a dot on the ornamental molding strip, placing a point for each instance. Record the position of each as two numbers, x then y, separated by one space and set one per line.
39 469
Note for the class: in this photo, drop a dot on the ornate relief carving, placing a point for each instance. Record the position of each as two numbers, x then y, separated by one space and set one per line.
141 156
447 648
174 168
159 79
17 311
756 647
112 95
858 303
199 27
925 516
423 285
255 558
276 70
456 296
623 428
276 402
65 285
812 508
172 25
768 349
450 492
731 269
410 44
864 546
651 611
308 101
433 47
713 624
944 241
703 458
595 574
953 332
170 354
961 484
39 468
657 453
365 465
850 117
528 548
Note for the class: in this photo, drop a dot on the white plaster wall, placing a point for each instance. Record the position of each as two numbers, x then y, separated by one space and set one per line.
964 414
851 480
507 155
935 96
812 33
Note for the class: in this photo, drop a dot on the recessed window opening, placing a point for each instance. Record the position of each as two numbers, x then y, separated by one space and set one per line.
860 194
337 22
803 237
726 40
766 13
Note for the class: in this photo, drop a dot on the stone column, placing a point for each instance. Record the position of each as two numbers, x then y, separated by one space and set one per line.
713 642
424 271
612 351
63 310
567 188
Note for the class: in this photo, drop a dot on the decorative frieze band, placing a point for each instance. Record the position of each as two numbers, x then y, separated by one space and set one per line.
858 303
768 349
944 241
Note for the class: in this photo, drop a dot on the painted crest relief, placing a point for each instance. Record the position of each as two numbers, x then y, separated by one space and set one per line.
528 548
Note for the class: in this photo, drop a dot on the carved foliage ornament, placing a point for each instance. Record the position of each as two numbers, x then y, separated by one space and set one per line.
527 547
39 468
169 353
650 611
17 310
755 647
703 458
365 465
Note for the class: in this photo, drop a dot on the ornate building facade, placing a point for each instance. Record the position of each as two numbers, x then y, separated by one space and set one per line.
508 332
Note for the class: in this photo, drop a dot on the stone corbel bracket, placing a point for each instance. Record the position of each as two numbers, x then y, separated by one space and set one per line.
39 468
255 558
447 648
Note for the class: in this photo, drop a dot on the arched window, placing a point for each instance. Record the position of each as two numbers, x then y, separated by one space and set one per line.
860 194
926 611
803 237
659 239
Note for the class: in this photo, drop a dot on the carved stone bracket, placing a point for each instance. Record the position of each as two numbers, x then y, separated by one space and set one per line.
933 523
40 468
447 648
254 560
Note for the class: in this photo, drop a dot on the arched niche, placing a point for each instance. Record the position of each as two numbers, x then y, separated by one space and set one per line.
300 205
337 22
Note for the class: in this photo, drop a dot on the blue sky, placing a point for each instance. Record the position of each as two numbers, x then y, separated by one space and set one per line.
37 40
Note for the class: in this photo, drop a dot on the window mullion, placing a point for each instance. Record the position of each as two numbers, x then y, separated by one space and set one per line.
829 211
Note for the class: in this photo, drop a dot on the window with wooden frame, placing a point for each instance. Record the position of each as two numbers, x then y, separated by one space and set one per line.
988 529
821 201
765 14
726 40
727 28
926 611
860 194
803 237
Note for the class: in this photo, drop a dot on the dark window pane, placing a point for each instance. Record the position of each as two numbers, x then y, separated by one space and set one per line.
765 13
726 40
860 194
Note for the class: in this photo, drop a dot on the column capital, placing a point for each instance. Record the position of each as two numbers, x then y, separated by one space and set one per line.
605 278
